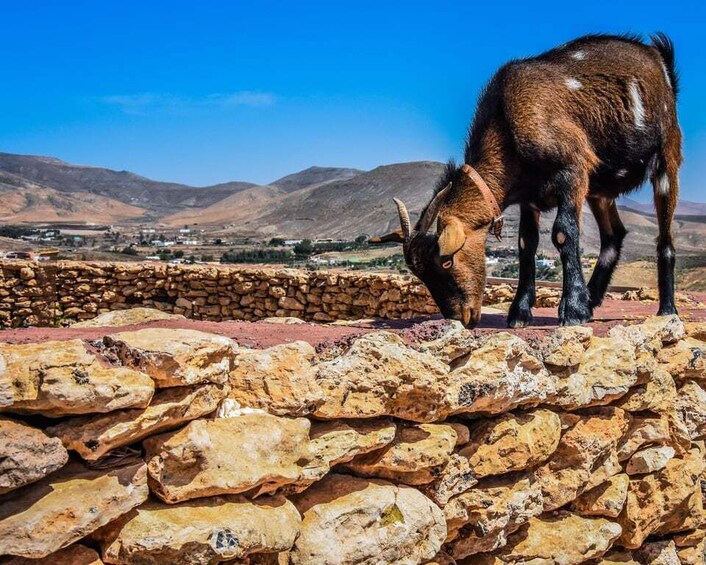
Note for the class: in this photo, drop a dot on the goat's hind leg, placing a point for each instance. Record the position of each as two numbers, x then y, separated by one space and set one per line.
571 188
612 232
520 314
665 181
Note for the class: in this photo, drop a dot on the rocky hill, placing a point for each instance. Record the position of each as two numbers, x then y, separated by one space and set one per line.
318 202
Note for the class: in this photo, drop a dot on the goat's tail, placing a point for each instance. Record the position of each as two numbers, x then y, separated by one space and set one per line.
664 45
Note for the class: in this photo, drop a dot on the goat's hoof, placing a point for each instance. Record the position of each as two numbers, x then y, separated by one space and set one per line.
668 310
519 318
575 312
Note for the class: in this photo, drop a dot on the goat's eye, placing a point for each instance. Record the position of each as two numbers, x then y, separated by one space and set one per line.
447 264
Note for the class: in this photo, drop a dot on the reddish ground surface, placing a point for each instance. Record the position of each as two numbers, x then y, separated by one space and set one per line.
265 334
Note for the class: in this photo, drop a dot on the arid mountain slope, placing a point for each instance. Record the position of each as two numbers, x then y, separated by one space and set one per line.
159 198
25 201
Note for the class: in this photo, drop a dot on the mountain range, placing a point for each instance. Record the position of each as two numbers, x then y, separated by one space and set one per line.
317 202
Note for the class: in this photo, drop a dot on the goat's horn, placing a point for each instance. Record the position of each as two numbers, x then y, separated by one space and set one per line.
433 209
405 222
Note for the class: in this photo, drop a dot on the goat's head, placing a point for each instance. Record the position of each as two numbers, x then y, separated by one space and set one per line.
450 262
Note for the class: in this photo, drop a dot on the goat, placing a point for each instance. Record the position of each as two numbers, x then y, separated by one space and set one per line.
589 120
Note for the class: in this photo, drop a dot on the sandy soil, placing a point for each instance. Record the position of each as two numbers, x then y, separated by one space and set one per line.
266 334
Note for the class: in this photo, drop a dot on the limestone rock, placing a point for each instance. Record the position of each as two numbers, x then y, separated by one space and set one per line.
685 359
663 502
26 454
643 431
691 406
175 357
582 449
499 376
453 479
606 499
46 516
692 555
349 520
441 558
228 456
339 441
560 538
480 519
280 380
606 371
72 555
512 442
200 532
649 460
380 376
132 316
93 436
59 378
658 553
616 557
414 457
656 393
654 332
454 343
565 347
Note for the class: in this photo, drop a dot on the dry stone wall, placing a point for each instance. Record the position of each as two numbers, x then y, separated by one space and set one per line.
33 294
166 446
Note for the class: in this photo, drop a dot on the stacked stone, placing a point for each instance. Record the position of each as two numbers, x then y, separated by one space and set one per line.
34 294
164 446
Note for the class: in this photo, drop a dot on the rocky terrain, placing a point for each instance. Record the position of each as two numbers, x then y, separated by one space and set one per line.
163 446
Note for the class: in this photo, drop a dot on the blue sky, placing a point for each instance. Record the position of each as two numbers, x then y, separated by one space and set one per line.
210 91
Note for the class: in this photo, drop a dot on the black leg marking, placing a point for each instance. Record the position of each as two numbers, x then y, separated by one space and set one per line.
575 305
520 314
612 232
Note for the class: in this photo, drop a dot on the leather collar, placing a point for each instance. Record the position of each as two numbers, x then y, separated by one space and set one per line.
496 226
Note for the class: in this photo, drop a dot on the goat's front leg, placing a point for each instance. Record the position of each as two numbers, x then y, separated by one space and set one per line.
571 188
520 314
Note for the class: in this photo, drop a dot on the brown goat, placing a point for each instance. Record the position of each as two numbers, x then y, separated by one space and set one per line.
589 120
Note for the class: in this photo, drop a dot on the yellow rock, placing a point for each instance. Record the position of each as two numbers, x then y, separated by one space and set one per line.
176 357
480 519
26 454
349 521
206 531
228 456
60 378
512 442
583 448
280 380
72 555
559 538
93 436
69 504
664 502
606 499
414 457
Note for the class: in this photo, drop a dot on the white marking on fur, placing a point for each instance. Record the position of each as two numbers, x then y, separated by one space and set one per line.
668 253
522 243
579 55
621 173
608 256
666 76
572 83
662 184
638 108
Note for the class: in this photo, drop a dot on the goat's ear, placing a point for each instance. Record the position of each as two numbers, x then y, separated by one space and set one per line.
393 237
452 237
